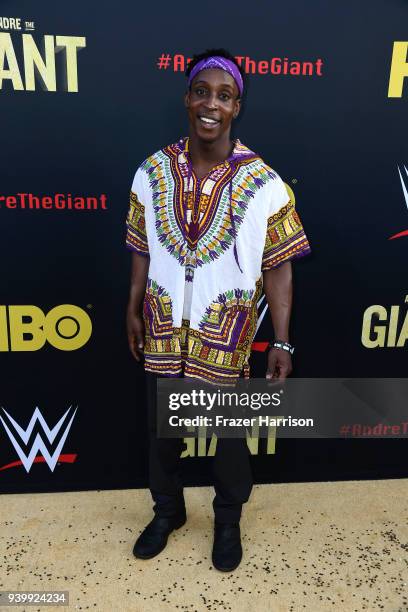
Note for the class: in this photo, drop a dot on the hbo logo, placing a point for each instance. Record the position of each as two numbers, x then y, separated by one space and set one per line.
27 328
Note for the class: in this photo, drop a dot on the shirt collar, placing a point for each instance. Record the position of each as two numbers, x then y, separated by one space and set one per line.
239 152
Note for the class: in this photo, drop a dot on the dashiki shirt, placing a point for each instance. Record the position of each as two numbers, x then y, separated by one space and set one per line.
209 240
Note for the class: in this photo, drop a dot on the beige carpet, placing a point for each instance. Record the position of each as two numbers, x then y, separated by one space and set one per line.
314 547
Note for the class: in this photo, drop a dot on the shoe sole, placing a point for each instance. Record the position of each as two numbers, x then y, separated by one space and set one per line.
226 569
145 557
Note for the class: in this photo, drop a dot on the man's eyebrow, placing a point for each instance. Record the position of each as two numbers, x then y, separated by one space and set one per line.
221 86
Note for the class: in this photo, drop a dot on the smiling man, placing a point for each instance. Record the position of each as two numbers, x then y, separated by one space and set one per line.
210 225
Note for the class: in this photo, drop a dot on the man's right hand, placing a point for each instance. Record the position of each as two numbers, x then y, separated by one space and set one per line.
136 334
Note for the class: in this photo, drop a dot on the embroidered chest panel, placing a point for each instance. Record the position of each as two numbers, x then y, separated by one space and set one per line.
206 226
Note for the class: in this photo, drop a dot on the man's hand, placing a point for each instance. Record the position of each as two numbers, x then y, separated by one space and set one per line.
279 364
136 334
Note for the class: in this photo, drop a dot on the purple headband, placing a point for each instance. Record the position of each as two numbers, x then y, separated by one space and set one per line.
222 63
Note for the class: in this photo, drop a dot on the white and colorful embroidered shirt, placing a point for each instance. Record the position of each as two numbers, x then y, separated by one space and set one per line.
208 240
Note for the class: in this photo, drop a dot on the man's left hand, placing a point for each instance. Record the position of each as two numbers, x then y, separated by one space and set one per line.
279 364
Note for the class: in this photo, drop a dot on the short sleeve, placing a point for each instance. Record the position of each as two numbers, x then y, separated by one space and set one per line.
285 236
136 235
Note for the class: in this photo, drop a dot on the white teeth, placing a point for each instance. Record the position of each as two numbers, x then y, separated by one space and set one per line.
206 120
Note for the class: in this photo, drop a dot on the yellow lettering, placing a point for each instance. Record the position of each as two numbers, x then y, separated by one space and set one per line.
271 445
202 442
189 451
399 69
392 328
71 44
33 327
3 329
404 333
7 53
253 440
213 446
67 327
33 61
379 340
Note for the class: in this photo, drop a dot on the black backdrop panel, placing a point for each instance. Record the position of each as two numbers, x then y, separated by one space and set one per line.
335 137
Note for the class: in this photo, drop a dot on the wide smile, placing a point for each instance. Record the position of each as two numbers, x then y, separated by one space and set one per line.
208 122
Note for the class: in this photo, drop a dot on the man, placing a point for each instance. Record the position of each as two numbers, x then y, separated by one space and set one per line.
209 225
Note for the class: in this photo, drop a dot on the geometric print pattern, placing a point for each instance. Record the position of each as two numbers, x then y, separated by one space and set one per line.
207 200
219 237
192 221
218 351
157 308
222 347
162 342
285 238
136 237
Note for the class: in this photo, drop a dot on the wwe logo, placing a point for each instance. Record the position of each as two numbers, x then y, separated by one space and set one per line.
262 307
405 192
14 431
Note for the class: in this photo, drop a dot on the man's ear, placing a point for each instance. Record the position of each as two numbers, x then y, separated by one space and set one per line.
237 108
187 99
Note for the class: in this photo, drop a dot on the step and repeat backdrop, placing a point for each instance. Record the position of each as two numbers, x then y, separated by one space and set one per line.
87 92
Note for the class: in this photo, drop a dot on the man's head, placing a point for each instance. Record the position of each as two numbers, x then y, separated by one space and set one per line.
213 98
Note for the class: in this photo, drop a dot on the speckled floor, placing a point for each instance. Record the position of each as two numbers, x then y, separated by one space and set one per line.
315 546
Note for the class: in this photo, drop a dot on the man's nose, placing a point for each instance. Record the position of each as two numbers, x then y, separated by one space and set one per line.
212 101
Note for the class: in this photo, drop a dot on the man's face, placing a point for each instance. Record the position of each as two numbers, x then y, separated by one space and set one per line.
212 104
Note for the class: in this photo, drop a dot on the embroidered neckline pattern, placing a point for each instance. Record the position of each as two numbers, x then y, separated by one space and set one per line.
168 175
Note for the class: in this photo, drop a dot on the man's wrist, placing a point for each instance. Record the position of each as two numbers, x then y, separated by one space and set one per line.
134 309
282 345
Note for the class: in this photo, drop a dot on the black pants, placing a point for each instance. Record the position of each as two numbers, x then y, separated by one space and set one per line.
231 470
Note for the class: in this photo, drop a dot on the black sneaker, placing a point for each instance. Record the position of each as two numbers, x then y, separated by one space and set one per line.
227 549
153 538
